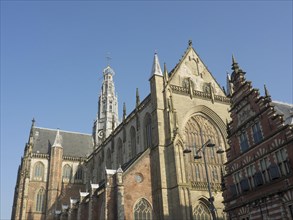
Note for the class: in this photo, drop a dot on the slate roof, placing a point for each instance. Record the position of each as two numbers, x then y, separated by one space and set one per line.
74 144
284 109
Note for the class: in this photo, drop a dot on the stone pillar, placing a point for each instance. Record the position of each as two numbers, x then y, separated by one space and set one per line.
120 194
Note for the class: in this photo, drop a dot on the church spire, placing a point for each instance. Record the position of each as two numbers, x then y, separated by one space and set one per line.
58 140
156 69
107 116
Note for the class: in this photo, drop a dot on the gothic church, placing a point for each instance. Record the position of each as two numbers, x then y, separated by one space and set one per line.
136 168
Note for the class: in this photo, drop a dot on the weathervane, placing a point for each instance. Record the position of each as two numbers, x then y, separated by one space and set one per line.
108 58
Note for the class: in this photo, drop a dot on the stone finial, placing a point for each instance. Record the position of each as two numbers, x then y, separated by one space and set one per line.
137 98
124 111
166 75
229 85
235 66
266 91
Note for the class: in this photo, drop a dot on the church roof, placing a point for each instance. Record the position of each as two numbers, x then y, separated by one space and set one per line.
284 109
74 144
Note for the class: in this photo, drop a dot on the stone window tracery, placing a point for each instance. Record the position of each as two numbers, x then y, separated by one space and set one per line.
198 130
143 210
39 171
40 200
67 171
201 212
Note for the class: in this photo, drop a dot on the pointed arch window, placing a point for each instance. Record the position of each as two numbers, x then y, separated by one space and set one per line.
120 152
39 169
78 174
143 210
40 200
201 212
109 159
67 172
147 131
132 142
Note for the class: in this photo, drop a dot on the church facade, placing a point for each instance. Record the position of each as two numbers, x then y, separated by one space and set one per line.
136 168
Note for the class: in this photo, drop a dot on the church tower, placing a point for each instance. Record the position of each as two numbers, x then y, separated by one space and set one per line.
107 116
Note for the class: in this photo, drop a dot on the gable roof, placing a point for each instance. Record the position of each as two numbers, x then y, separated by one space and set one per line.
74 144
189 50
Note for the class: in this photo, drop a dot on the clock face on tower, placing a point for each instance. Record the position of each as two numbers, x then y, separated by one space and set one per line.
100 134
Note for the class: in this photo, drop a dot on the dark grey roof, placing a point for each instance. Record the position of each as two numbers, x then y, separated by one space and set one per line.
74 144
284 109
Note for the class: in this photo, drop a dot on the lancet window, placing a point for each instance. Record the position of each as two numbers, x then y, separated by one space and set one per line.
198 130
79 174
39 171
132 142
147 131
120 152
67 172
40 200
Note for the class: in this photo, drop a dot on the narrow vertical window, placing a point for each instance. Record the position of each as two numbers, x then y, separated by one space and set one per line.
148 131
256 131
119 153
67 172
264 169
143 210
40 200
79 174
282 161
132 142
108 159
243 142
250 174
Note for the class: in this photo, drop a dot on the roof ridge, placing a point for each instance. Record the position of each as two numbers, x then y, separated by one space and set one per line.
282 103
72 132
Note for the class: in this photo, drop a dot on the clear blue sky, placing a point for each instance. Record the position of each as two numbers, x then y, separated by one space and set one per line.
53 54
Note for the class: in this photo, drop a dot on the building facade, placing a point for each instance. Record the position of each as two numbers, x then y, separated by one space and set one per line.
136 168
259 168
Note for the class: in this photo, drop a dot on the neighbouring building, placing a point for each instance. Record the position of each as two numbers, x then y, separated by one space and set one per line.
259 168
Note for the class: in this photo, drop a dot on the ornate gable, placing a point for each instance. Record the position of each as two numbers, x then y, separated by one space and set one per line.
191 73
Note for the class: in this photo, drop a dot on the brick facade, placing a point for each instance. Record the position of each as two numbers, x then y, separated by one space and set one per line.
259 179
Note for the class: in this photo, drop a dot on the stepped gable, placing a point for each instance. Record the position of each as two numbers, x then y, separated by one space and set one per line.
74 144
